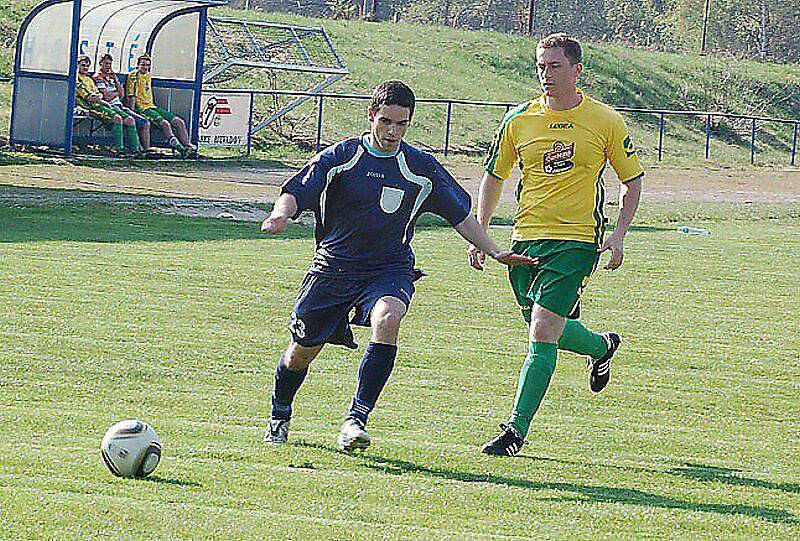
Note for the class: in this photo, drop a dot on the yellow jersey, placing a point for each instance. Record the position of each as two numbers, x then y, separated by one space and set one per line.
84 87
562 155
140 86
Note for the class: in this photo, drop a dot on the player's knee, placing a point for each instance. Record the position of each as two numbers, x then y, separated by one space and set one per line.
387 320
298 358
117 119
128 121
164 124
178 122
546 326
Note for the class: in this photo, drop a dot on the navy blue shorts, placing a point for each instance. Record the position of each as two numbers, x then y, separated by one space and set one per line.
321 312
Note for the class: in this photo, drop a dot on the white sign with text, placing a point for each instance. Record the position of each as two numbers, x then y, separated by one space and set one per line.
224 119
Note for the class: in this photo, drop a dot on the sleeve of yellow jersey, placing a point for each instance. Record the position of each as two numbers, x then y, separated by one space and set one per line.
130 85
81 92
622 154
502 154
84 88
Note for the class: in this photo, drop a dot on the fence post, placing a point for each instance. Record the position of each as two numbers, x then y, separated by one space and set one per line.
319 123
708 136
447 127
660 136
753 143
794 142
250 124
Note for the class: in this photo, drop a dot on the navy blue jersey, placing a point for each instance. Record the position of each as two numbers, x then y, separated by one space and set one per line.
366 204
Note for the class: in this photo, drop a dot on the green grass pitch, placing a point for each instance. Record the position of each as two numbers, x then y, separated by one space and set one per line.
109 313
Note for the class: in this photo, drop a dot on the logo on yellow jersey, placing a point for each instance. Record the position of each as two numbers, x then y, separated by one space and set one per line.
558 160
629 148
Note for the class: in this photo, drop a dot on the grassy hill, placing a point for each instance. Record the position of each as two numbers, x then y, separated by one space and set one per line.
442 62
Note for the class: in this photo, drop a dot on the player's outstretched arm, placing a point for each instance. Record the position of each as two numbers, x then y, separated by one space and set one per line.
488 197
474 232
278 220
629 194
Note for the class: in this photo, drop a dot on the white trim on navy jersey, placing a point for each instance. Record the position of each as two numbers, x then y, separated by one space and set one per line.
332 173
425 184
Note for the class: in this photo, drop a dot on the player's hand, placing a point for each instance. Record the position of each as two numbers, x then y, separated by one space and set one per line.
273 225
476 258
613 243
512 260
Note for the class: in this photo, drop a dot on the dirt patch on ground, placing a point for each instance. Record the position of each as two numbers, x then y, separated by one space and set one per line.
253 184
668 184
240 191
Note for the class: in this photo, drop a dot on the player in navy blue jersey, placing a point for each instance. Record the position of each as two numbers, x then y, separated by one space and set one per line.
366 194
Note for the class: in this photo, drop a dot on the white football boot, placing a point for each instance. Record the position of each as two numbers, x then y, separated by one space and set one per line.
352 436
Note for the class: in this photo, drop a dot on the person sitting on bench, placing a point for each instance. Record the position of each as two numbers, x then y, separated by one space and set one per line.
139 90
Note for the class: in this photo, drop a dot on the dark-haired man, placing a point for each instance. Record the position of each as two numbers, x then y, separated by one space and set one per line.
139 91
366 194
561 142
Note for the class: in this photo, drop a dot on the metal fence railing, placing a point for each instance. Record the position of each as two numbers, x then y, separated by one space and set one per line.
661 114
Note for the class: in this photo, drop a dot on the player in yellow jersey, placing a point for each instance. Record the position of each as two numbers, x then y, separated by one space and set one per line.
561 141
139 92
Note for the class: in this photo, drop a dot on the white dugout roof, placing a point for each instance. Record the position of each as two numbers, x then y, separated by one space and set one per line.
124 28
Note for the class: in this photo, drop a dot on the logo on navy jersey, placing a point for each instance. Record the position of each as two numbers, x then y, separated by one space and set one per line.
562 126
391 199
375 174
558 160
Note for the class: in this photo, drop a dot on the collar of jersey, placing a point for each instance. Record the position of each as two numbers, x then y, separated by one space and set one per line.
374 151
565 111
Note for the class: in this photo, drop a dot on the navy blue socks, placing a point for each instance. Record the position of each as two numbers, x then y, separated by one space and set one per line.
372 377
287 382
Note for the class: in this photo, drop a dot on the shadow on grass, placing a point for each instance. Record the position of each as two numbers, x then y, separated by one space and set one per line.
72 215
168 481
582 493
729 476
42 214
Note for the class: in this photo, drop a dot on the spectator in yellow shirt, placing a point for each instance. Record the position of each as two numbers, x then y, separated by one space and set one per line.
139 92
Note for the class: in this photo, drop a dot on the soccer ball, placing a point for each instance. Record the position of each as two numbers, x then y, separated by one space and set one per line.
131 449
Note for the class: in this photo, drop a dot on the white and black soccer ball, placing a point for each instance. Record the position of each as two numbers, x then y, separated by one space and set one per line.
131 449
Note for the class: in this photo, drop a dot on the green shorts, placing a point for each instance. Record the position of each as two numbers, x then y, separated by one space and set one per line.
156 115
102 113
557 282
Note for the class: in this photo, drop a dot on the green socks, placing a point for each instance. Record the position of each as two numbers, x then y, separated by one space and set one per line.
133 138
579 339
116 130
534 378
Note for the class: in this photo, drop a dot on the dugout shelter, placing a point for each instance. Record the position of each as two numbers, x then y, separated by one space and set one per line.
56 32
